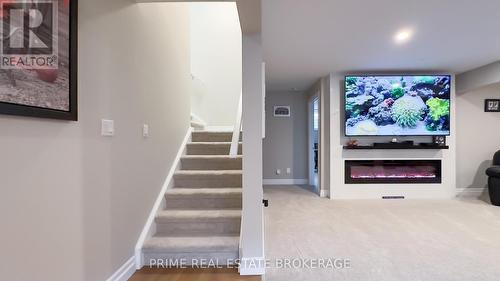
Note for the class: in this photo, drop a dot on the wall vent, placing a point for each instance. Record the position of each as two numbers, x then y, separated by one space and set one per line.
393 197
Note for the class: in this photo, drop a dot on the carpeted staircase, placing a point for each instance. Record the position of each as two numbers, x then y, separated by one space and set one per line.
203 210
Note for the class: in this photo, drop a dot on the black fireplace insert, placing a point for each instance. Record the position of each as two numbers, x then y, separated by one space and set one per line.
392 171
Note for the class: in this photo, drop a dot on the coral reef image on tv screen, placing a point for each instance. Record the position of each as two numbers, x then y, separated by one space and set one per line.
397 105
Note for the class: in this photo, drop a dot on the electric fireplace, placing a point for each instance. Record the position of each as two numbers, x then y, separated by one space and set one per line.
392 171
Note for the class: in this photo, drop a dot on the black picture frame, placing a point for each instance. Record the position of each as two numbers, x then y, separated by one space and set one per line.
492 105
72 113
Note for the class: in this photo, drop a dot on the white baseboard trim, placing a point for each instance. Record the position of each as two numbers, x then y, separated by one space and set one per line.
124 272
252 266
219 128
197 119
324 193
284 181
470 192
161 196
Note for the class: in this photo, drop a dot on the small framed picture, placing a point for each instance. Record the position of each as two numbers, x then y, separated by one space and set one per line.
492 105
282 111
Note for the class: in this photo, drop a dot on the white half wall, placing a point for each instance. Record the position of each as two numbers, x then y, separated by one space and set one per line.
215 61
252 235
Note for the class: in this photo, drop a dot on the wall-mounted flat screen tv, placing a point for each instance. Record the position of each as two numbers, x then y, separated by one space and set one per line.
397 105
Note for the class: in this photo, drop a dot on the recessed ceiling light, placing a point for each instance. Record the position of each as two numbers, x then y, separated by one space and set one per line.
403 36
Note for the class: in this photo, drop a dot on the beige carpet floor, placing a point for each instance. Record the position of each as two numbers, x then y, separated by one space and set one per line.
385 240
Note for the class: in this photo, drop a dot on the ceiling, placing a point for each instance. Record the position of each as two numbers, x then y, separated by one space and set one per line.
306 40
250 15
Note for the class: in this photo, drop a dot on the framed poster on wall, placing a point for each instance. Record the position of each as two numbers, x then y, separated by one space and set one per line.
38 60
281 111
492 105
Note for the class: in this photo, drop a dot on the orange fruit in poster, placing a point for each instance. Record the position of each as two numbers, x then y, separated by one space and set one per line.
47 75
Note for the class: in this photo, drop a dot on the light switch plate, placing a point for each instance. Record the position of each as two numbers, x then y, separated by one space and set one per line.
107 128
145 130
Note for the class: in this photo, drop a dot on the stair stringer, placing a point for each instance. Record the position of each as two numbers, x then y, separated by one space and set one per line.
150 227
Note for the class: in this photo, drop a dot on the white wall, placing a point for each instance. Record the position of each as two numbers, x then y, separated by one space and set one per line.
477 78
478 136
340 190
325 147
73 203
252 236
215 62
286 142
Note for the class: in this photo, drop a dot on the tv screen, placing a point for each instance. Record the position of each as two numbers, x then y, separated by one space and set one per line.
399 105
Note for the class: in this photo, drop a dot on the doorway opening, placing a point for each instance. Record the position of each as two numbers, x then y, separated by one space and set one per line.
314 142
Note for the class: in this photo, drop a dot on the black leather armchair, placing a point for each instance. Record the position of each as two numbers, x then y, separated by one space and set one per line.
493 173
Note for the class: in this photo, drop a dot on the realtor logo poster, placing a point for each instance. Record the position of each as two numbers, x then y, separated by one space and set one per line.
37 63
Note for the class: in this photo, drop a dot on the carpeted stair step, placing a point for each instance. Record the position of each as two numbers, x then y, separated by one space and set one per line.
201 218
198 223
203 198
219 248
212 136
208 178
210 148
211 162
